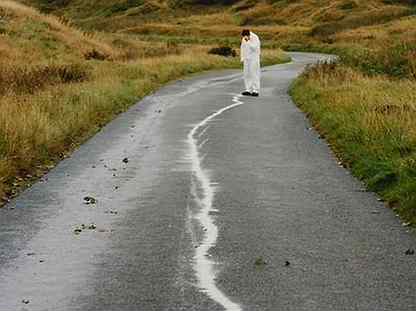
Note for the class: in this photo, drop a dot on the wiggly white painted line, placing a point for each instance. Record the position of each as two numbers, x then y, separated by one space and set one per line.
203 266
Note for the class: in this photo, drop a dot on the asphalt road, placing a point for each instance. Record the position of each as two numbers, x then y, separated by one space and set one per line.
223 203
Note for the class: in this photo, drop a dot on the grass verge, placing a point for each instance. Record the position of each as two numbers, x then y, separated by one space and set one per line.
369 122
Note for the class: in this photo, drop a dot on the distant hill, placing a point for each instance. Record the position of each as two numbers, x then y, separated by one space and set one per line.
245 12
203 21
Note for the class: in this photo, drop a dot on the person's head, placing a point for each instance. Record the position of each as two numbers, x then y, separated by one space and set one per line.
245 33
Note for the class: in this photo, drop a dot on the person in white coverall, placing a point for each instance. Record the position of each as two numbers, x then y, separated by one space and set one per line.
250 57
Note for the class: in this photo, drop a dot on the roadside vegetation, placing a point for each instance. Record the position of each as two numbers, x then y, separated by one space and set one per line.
365 105
369 122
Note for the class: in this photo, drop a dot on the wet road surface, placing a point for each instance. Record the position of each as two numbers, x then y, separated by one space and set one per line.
222 202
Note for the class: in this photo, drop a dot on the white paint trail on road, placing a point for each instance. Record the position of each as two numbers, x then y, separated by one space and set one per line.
203 265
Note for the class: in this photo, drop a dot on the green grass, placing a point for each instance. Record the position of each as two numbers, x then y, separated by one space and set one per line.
369 123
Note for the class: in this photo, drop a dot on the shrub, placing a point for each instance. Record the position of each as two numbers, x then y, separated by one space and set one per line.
348 5
121 6
223 51
94 54
29 79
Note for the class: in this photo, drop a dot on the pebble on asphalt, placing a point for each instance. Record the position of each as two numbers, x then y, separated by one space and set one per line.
89 200
260 262
79 229
92 227
112 212
410 252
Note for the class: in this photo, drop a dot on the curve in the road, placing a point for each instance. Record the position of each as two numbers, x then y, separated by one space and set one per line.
204 267
282 198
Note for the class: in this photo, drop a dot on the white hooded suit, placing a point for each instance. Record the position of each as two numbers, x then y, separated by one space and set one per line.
250 56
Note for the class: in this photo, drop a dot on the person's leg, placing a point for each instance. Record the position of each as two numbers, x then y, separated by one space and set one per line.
251 76
256 78
247 82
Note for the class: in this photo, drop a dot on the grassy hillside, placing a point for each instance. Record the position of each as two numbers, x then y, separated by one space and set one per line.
294 25
59 85
317 17
302 24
